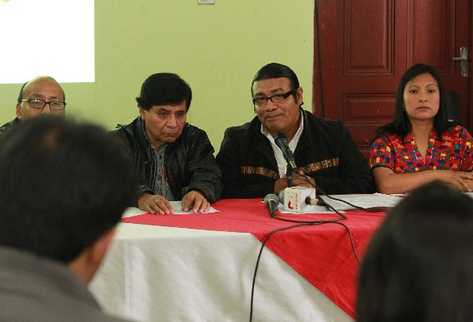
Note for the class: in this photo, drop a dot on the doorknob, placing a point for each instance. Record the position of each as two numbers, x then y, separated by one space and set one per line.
463 60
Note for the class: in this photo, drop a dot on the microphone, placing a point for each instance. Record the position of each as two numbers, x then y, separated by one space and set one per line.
309 200
271 201
295 199
281 142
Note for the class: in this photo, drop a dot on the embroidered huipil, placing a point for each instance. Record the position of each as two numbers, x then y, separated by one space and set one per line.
452 152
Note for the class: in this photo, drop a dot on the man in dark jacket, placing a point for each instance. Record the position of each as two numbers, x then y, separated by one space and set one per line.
173 159
39 96
325 155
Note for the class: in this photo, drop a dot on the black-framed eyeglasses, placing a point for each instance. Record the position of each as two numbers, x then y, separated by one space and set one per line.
275 98
39 104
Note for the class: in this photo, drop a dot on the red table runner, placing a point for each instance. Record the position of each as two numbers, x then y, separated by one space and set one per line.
322 254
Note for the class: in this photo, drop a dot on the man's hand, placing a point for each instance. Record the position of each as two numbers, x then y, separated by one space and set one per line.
302 180
194 200
280 184
297 178
154 203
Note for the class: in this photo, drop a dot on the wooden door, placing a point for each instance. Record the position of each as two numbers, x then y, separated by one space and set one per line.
362 48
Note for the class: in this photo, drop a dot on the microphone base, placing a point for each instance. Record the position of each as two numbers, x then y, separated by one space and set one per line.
295 198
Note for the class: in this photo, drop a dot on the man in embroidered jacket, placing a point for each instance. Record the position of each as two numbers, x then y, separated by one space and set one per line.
325 155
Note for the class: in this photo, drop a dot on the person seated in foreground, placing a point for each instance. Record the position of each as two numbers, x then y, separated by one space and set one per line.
172 159
325 155
419 264
420 144
39 96
61 196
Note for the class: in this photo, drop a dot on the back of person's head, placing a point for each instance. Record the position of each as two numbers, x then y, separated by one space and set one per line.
419 264
62 186
276 70
164 89
401 124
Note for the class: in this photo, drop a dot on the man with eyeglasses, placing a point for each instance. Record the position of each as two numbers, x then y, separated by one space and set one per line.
173 159
38 96
326 157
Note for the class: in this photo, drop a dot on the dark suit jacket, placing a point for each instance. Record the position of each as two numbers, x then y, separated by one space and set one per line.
9 125
325 151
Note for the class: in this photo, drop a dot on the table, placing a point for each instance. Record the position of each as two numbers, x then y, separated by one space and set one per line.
164 273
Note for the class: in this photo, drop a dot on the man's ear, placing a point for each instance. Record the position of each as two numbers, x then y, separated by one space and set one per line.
19 113
100 248
299 96
142 112
88 262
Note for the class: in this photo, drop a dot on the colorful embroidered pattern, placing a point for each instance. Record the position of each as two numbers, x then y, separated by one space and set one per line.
320 165
310 168
249 170
453 152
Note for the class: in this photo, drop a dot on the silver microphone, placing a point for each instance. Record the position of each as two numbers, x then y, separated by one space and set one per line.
271 201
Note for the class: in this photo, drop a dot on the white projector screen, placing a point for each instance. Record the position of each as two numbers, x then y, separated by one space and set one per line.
47 37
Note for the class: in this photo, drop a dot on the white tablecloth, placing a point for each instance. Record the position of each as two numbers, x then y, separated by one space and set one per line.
164 274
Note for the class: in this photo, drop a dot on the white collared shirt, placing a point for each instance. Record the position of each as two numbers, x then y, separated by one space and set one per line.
282 164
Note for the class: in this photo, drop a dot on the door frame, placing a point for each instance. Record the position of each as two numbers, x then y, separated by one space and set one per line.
318 106
470 65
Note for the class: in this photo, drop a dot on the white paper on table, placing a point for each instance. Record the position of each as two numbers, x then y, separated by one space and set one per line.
367 201
177 209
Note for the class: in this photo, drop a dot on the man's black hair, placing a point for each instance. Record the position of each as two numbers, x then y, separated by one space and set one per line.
276 70
164 89
62 186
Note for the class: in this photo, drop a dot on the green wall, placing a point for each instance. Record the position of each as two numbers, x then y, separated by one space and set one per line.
216 48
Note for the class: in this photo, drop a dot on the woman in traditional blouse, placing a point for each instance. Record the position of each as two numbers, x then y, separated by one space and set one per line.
420 145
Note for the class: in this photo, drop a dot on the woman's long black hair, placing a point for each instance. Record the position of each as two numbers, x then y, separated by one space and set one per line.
401 124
